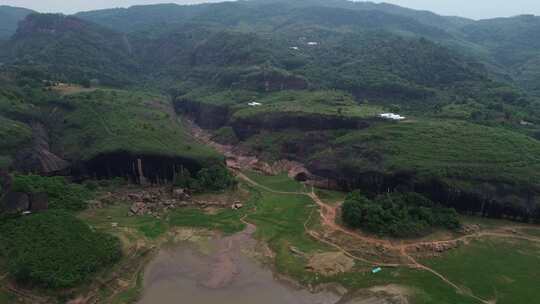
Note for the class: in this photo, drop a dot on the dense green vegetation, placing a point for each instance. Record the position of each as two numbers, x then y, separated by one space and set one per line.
54 249
14 136
212 178
61 194
449 149
107 121
397 214
332 103
9 18
321 71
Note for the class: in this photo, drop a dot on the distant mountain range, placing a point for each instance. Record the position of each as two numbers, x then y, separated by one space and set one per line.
508 47
9 18
298 80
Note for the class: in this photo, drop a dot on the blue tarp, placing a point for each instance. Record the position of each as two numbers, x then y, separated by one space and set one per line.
375 270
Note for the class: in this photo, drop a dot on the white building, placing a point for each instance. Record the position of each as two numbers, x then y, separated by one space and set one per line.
391 116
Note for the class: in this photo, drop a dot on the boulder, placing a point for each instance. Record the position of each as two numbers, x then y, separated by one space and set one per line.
135 196
138 208
39 201
15 202
237 205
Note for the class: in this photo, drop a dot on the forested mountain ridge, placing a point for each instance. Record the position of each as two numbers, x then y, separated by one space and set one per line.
513 43
9 18
69 47
325 69
124 129
466 35
363 52
501 43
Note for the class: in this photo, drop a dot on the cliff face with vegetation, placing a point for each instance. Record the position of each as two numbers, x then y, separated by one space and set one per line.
297 80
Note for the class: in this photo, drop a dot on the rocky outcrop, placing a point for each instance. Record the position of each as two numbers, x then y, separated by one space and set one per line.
158 200
434 249
48 24
39 158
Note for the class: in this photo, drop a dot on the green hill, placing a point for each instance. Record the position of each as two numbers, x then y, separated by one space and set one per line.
513 43
322 71
70 49
9 19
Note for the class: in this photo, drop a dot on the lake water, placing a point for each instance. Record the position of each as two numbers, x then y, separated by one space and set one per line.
225 274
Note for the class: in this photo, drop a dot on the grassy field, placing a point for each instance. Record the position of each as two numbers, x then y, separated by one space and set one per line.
280 182
330 197
450 149
331 103
280 222
7 298
505 270
111 120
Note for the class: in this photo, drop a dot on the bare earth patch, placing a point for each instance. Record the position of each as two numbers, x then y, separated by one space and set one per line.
330 263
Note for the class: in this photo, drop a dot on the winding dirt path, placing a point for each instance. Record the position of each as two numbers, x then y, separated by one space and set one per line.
328 216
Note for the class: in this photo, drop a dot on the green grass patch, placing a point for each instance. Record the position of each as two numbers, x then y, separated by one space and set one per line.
331 103
281 182
424 287
61 193
13 136
506 270
448 149
7 298
280 222
112 120
102 219
226 220
331 196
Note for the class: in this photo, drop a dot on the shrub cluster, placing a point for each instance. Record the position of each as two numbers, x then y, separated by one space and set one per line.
213 178
54 249
397 214
62 194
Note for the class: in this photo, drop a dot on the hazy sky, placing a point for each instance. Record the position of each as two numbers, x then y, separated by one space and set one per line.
476 9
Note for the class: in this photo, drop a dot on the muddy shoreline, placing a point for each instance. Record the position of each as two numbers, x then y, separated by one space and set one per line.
222 269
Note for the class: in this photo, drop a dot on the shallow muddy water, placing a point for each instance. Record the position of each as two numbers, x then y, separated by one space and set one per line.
226 275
